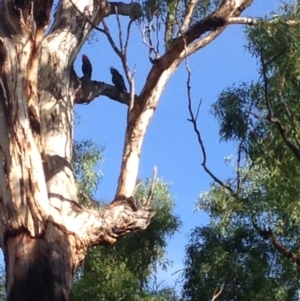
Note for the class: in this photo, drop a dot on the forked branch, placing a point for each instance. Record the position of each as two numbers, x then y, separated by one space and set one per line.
143 109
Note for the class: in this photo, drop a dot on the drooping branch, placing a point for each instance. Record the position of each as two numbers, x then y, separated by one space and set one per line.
193 119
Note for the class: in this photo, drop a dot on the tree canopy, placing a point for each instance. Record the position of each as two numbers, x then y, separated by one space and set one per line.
250 250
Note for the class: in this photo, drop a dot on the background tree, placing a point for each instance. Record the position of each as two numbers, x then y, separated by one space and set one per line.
123 272
251 246
237 261
44 232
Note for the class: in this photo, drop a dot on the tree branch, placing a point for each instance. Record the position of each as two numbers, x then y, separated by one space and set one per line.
204 41
158 76
270 117
188 16
229 8
253 21
269 235
132 10
217 293
193 120
89 90
100 226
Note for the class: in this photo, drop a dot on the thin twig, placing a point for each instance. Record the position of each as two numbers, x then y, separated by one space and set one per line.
151 190
120 31
110 39
122 53
217 293
193 120
127 35
147 34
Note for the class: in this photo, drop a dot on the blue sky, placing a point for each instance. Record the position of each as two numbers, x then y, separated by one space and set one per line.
170 142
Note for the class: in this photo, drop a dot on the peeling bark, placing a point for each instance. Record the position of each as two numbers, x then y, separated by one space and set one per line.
43 231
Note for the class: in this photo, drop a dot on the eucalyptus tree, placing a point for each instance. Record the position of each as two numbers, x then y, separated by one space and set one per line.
44 232
251 248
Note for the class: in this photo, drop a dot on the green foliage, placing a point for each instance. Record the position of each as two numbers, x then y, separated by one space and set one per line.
86 157
123 270
169 15
263 119
240 261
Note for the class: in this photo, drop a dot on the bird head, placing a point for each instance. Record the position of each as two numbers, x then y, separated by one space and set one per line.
112 70
84 57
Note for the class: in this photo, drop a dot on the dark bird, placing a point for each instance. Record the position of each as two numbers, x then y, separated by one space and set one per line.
118 80
86 67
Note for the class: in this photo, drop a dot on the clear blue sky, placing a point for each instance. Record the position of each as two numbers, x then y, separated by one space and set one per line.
170 142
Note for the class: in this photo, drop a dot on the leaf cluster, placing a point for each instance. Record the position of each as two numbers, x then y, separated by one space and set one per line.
85 162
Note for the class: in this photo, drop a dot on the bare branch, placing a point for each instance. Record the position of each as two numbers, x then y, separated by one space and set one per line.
217 293
193 120
146 33
188 15
162 69
204 41
252 21
151 189
242 20
88 90
120 32
127 35
122 53
170 22
269 235
110 39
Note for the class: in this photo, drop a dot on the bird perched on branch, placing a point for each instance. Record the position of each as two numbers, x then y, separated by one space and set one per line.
86 67
118 80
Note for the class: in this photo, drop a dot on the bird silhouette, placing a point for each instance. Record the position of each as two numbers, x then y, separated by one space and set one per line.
86 67
118 80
